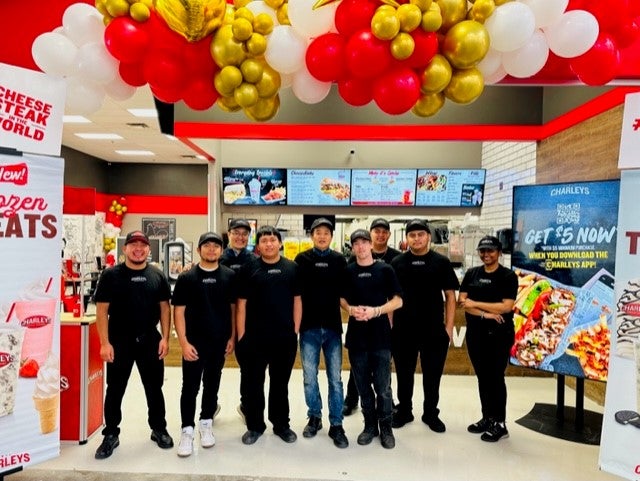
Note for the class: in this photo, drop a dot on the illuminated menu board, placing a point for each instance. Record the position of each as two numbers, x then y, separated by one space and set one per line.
376 187
254 186
319 187
450 187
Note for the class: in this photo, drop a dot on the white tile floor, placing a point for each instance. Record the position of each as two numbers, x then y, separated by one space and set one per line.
419 454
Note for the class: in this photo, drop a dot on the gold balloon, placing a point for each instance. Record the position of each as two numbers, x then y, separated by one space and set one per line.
465 86
241 3
139 12
402 46
102 8
148 3
481 10
193 19
386 8
242 29
428 105
465 44
256 45
252 70
229 15
274 4
410 17
282 14
227 80
263 23
117 8
432 19
264 109
270 82
390 3
385 24
453 11
502 2
245 13
436 76
246 95
228 104
423 5
225 49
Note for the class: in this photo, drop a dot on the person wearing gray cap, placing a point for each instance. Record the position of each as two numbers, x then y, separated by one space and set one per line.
487 295
320 270
424 324
237 254
370 292
204 302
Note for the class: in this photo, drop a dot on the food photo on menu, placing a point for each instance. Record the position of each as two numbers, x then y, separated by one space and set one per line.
319 187
254 186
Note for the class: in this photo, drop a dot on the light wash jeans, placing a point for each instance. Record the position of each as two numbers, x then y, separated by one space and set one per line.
330 342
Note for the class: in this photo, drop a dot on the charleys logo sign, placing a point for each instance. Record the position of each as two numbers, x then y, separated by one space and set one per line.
5 359
14 174
35 322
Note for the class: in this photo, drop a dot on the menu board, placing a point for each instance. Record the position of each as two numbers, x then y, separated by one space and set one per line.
450 187
374 187
319 187
254 186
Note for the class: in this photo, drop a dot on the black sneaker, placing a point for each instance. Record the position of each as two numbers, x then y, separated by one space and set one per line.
250 437
367 435
339 437
400 418
109 443
479 427
162 438
349 407
313 426
286 434
434 423
495 432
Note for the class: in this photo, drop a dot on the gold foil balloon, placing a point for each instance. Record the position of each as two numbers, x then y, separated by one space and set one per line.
402 46
193 19
246 95
432 19
410 17
423 5
263 23
228 104
436 76
465 44
227 80
385 24
453 11
481 10
282 15
242 29
428 105
256 45
252 70
465 86
264 109
229 15
270 82
225 49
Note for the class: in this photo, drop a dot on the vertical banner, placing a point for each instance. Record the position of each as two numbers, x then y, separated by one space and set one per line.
30 242
564 256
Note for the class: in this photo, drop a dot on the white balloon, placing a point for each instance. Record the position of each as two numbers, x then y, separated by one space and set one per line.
310 23
55 54
510 26
83 97
495 77
529 59
286 80
546 11
96 63
83 24
307 88
258 6
573 34
491 62
285 49
119 90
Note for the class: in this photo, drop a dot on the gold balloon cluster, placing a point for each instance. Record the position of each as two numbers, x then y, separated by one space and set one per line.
139 10
193 19
281 7
245 80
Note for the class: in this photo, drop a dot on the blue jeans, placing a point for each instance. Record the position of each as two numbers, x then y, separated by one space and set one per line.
311 342
373 367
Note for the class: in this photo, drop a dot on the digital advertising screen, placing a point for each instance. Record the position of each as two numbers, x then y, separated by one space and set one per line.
254 186
319 187
450 187
383 187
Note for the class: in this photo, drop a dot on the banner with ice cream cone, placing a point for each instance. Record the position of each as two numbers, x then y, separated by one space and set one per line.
30 241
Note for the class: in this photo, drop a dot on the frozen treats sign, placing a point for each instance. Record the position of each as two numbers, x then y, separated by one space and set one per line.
31 109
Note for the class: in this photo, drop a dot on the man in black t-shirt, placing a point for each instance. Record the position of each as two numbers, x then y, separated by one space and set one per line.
423 325
204 300
237 254
268 315
131 298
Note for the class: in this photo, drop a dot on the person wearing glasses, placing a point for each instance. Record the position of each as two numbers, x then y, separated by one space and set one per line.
487 295
237 254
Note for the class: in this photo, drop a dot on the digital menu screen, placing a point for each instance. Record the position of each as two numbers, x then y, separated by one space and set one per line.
254 186
450 187
319 187
375 187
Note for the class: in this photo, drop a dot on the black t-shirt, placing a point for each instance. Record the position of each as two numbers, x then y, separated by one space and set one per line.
235 260
423 280
269 290
134 298
371 286
490 287
207 297
319 278
387 256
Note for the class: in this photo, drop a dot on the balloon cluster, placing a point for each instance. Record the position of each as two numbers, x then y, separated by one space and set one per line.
113 223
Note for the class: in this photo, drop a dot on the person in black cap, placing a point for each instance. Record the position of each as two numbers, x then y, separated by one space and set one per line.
237 254
319 271
204 299
370 292
487 294
268 315
424 325
131 298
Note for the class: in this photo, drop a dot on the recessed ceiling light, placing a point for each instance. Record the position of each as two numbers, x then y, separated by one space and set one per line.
134 152
97 136
143 112
75 119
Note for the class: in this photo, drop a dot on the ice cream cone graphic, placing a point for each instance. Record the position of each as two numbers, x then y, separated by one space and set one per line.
46 396
48 410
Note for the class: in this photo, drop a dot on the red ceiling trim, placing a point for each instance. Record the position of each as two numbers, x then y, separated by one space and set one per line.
196 148
156 204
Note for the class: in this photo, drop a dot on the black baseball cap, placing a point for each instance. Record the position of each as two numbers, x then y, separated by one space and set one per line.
239 224
321 221
380 222
360 234
417 224
489 242
136 236
210 237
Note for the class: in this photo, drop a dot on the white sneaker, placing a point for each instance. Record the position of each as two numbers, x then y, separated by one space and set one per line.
185 447
207 438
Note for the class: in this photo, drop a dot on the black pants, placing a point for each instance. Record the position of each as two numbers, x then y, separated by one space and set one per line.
144 353
488 350
352 396
254 356
433 349
372 373
208 369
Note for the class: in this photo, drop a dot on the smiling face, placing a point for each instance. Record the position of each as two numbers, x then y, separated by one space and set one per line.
136 254
210 252
418 241
238 238
321 237
380 237
361 248
489 257
269 246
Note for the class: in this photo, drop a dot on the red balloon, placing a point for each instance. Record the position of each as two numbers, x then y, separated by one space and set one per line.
426 46
626 34
367 56
354 15
325 57
198 60
356 92
126 40
169 96
132 74
609 13
200 94
164 70
397 91
599 65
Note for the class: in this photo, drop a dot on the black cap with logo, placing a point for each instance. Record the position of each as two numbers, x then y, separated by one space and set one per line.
417 224
210 237
239 224
136 236
489 242
360 234
321 221
380 222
